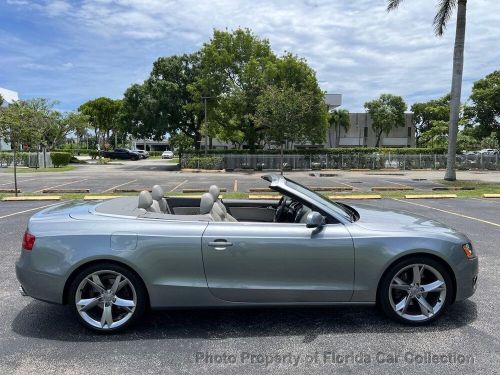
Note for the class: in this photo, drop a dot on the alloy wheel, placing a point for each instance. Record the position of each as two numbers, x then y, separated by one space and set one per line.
106 299
417 292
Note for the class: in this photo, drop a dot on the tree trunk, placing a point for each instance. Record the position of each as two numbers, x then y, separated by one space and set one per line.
379 135
456 90
281 158
15 170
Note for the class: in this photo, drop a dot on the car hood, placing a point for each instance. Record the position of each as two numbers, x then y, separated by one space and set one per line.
390 220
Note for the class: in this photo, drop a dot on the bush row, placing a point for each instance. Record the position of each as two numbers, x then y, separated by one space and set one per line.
209 162
330 151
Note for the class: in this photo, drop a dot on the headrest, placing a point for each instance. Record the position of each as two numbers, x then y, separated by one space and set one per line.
214 191
145 199
206 203
157 192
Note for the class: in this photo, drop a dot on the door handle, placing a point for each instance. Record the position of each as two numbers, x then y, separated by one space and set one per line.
220 244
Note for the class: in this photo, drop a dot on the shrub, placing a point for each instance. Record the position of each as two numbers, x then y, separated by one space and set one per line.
329 151
209 162
60 159
93 153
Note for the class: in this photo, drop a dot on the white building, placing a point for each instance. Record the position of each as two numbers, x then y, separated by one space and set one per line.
9 97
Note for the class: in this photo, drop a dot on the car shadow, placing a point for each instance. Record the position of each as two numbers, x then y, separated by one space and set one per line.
55 322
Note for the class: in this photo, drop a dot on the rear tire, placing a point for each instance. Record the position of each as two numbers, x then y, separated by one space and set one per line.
107 297
415 291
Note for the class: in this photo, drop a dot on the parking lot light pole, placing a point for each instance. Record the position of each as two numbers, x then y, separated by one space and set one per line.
206 122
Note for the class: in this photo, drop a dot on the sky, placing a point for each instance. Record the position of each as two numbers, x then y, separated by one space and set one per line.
73 51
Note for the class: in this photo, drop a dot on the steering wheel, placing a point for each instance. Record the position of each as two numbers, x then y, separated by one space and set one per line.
281 210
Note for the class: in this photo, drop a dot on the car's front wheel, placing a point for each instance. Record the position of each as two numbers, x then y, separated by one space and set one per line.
107 297
415 290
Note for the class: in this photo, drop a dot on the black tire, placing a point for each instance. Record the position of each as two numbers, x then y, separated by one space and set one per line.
141 298
384 295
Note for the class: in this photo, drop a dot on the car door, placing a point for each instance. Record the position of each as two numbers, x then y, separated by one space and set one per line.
278 262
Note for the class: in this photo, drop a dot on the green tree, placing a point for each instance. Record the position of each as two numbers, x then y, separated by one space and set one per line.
445 10
339 118
426 114
387 112
232 74
181 142
18 126
102 114
485 99
163 103
290 115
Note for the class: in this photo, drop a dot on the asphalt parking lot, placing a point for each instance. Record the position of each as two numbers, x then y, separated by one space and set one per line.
44 338
146 173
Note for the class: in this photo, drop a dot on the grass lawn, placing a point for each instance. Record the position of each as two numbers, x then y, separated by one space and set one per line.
31 170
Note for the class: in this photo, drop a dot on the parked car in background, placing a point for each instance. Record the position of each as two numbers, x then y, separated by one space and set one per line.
488 151
167 154
121 153
142 153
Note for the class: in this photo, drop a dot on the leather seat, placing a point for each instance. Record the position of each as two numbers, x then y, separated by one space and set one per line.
147 203
219 207
207 207
158 196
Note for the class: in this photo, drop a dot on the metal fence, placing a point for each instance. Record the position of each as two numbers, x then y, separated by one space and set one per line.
26 159
340 161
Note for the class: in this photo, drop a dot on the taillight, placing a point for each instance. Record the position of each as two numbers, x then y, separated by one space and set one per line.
28 241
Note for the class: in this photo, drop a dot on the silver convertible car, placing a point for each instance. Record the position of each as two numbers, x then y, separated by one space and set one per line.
112 260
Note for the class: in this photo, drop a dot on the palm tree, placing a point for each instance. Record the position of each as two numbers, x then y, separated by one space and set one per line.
339 118
444 13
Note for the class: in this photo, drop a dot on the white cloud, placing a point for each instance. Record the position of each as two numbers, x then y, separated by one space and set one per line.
356 47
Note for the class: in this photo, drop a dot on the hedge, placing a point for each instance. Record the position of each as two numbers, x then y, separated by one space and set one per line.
209 162
329 151
60 159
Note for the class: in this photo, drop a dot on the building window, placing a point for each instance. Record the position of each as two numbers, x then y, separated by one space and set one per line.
409 132
365 132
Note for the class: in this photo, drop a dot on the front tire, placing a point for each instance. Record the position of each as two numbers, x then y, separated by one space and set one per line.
107 297
415 291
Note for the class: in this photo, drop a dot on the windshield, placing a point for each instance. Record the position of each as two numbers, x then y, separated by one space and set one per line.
336 207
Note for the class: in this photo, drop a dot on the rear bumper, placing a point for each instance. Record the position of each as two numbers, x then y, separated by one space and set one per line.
38 285
467 279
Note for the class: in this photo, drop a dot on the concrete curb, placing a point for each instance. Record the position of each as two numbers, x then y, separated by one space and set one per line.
223 190
263 197
358 197
392 188
203 170
62 191
491 195
33 198
9 190
430 196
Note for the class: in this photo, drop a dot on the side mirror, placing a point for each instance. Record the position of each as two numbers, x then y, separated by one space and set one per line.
315 220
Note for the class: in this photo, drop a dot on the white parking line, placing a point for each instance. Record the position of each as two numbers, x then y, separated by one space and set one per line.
56 186
179 185
19 181
353 187
235 186
449 212
117 186
31 209
397 183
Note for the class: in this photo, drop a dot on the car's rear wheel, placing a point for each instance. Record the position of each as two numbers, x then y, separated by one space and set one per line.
107 297
415 290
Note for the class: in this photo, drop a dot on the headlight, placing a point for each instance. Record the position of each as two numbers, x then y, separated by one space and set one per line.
468 250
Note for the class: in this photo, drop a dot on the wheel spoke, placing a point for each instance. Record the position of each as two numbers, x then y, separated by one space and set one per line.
116 283
435 286
403 305
87 303
416 274
125 303
95 285
121 285
107 316
426 309
404 287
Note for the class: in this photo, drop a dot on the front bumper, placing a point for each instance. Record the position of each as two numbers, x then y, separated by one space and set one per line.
467 277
